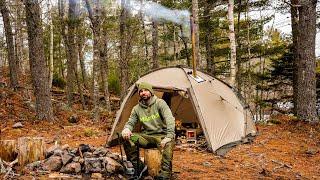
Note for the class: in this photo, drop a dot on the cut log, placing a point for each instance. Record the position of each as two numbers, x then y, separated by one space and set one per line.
152 158
8 150
30 150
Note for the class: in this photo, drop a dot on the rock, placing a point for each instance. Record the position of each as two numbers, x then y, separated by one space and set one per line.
73 167
114 156
33 166
312 151
84 148
57 152
88 155
17 125
112 166
76 159
65 147
100 151
74 151
206 164
92 165
54 163
73 119
81 160
96 176
66 158
50 151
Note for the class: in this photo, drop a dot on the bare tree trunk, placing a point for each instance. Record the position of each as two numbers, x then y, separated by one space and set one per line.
100 53
174 44
81 46
295 35
145 38
232 38
306 63
50 46
105 68
195 13
185 43
39 71
165 41
208 42
155 49
239 80
249 86
72 47
61 35
14 83
95 21
19 38
124 67
80 89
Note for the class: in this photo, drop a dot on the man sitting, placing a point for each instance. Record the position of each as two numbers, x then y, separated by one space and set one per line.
158 126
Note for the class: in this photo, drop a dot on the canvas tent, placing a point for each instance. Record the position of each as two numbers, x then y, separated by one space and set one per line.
206 100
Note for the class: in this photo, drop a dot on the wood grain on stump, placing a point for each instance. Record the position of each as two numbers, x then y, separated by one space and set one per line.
152 158
8 150
30 150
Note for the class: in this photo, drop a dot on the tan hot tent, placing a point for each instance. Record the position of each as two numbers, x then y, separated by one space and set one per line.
205 100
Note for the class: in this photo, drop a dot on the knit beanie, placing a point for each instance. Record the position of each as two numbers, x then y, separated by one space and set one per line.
145 85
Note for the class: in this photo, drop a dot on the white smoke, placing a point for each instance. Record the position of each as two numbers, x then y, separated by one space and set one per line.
158 12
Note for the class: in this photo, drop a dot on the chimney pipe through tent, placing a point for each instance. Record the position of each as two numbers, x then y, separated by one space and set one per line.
194 62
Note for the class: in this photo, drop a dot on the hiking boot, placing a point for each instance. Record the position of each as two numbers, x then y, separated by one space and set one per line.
143 173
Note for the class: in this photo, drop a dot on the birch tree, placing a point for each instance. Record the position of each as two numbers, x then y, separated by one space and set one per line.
232 39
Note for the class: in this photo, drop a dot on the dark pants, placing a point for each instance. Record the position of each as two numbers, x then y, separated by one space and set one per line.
147 142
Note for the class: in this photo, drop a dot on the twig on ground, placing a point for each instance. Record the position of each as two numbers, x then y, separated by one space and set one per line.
80 152
13 162
2 168
281 165
8 170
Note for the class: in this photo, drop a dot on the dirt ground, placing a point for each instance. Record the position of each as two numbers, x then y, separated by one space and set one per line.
288 149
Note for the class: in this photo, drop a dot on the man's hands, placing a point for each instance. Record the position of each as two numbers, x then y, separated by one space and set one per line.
126 134
165 141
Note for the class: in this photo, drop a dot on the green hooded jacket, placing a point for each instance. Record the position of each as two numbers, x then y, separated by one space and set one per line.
156 118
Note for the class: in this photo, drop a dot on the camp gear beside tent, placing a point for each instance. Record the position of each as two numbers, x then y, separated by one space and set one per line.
213 104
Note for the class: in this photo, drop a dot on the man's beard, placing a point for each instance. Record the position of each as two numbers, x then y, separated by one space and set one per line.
145 99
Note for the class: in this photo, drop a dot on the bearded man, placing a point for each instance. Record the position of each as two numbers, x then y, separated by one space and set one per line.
158 125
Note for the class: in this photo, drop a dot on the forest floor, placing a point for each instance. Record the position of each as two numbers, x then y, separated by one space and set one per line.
287 149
